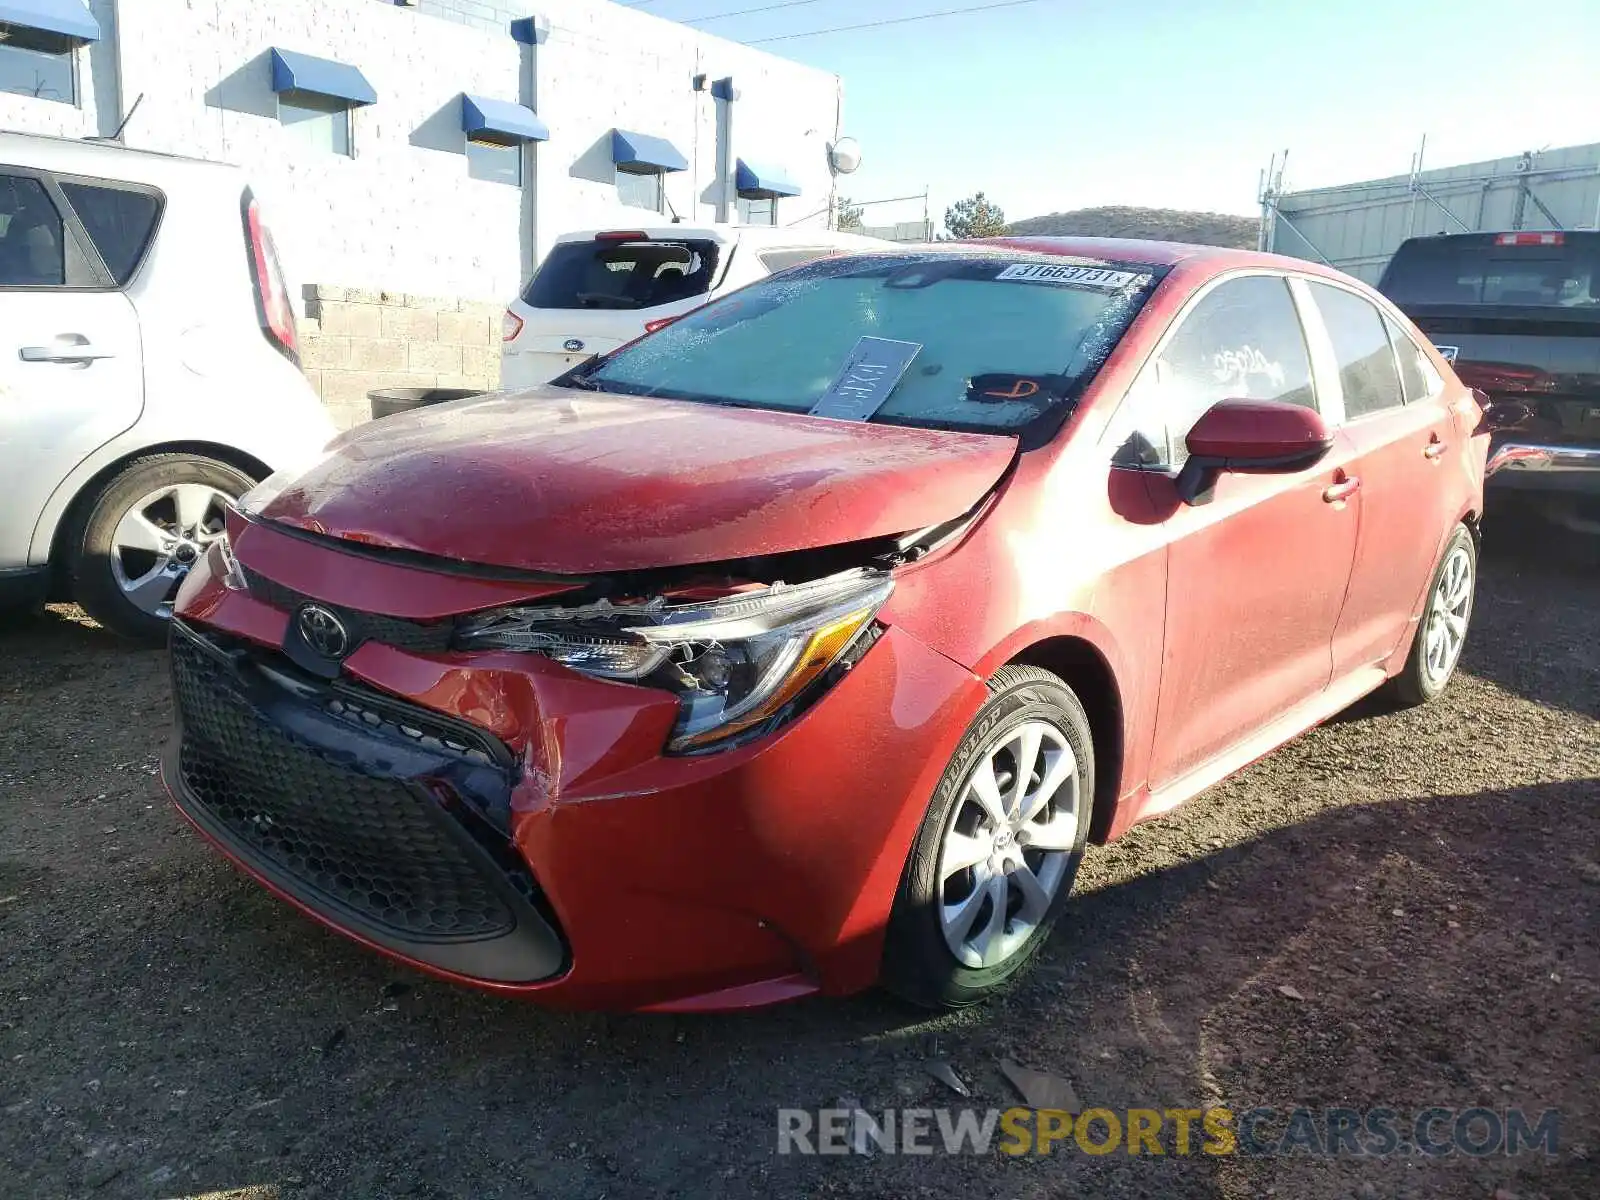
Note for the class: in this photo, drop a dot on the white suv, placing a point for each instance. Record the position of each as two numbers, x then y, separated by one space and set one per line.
597 289
148 371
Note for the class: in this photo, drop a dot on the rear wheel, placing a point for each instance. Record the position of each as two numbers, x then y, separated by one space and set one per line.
998 849
1442 632
138 538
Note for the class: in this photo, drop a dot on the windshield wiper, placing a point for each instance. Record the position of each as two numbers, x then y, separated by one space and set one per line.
607 300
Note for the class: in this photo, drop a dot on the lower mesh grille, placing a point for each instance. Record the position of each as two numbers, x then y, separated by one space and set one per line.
373 846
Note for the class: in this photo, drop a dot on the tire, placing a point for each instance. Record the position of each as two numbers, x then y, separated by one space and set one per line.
101 556
1420 680
921 962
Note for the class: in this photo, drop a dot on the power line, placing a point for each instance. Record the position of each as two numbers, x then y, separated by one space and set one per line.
744 12
949 12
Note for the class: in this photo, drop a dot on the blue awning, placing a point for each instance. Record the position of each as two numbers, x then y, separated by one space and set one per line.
65 18
641 152
760 182
304 73
500 121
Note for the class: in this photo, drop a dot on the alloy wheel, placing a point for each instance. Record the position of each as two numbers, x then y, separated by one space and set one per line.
1449 609
160 537
1007 844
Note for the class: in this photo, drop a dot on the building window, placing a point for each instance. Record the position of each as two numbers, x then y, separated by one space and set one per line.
322 122
641 189
38 73
495 163
757 212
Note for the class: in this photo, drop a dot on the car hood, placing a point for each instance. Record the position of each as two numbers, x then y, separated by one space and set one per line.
575 483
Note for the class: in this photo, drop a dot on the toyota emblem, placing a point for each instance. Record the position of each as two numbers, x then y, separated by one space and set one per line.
323 631
572 345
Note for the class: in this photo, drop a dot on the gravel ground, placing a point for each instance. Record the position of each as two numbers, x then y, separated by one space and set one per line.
1395 910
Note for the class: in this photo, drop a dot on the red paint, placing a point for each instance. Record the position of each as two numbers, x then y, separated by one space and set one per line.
768 871
573 483
1246 430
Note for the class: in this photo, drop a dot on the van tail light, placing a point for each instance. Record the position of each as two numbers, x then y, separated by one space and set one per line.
510 326
1529 239
622 235
273 309
658 323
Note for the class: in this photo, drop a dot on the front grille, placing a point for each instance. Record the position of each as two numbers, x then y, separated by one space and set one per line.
381 848
399 632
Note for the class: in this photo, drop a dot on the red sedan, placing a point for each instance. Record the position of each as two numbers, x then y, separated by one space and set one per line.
802 644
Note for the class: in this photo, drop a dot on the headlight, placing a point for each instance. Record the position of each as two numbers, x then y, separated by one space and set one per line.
733 663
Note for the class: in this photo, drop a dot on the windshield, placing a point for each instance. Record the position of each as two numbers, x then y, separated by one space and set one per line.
981 342
622 274
1444 272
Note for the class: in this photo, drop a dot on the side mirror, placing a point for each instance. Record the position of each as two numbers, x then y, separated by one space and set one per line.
1254 436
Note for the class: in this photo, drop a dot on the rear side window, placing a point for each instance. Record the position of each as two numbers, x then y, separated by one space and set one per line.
119 222
1417 376
32 237
781 260
622 275
1367 371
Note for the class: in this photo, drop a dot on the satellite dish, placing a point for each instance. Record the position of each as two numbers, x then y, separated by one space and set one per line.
844 156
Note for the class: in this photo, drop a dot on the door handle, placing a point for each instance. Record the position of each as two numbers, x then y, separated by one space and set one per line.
1342 490
68 348
1434 448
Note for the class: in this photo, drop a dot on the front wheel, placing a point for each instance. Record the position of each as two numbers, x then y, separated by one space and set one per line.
1442 633
138 538
998 849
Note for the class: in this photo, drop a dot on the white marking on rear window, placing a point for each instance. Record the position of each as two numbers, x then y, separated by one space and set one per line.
1077 276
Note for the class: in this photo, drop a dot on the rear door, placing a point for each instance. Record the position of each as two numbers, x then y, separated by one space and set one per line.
70 372
590 297
1406 450
1257 575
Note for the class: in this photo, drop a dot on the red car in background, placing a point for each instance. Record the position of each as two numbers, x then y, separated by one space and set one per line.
803 644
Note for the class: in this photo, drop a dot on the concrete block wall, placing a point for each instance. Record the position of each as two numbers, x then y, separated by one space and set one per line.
354 340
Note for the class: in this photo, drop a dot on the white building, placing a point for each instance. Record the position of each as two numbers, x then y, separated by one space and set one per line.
433 148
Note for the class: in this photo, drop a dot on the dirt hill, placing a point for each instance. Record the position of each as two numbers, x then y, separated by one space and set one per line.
1161 224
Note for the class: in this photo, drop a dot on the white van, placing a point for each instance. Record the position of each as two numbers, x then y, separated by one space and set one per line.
597 289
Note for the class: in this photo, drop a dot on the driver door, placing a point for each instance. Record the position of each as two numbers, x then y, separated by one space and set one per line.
1256 576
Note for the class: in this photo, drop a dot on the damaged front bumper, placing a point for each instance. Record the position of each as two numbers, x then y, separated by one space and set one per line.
583 865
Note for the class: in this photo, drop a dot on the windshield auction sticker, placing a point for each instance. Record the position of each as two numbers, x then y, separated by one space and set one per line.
871 373
1092 277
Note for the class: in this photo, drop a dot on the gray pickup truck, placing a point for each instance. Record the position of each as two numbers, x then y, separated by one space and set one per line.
1519 315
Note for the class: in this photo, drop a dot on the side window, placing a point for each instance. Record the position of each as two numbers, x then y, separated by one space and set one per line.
119 222
1242 341
1367 371
1417 376
32 237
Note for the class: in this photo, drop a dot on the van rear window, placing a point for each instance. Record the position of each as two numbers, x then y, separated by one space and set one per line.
622 275
1565 276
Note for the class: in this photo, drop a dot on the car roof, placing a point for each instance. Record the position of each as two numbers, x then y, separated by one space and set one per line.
1206 259
755 235
83 156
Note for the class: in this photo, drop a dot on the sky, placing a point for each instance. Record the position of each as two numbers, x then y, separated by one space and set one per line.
1061 104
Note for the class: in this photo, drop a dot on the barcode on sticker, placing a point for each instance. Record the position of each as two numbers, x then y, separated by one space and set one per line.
1095 277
